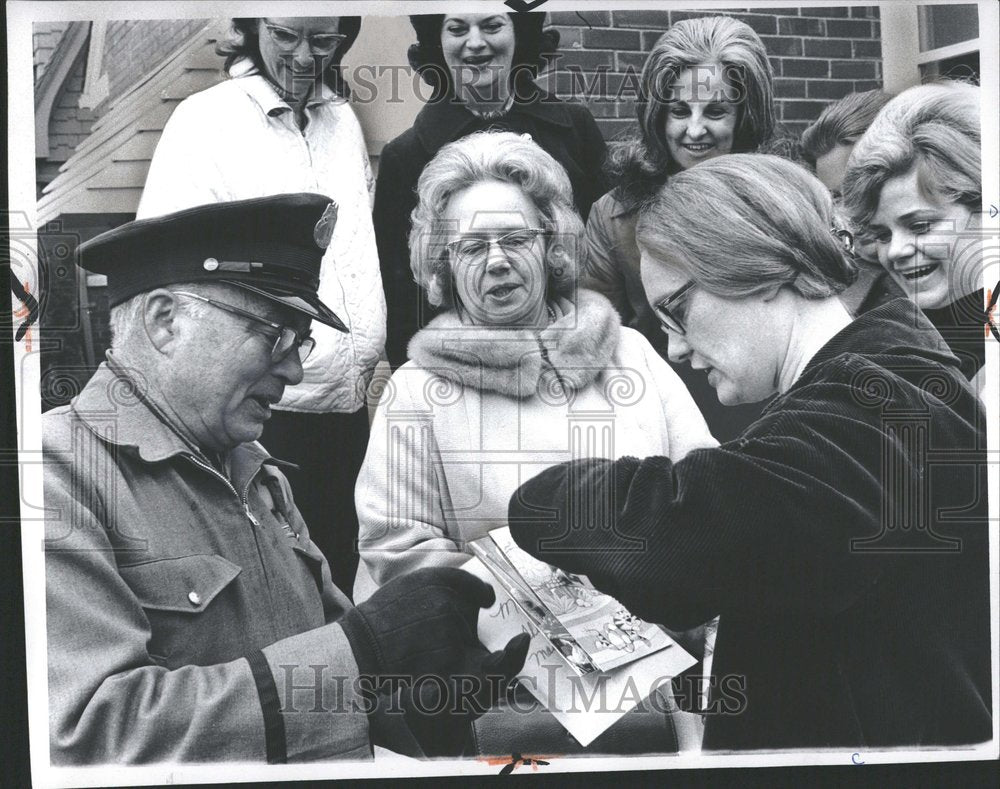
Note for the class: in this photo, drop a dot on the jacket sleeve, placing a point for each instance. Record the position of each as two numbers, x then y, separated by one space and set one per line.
762 523
601 271
391 215
400 494
184 172
111 701
594 152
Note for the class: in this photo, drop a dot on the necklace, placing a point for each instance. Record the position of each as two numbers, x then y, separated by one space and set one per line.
552 313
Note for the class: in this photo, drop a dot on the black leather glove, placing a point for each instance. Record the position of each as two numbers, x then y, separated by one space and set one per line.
421 627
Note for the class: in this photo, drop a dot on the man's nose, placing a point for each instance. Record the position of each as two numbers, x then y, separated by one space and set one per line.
678 349
289 369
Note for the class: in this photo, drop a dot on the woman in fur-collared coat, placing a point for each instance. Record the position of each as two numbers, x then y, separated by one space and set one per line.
522 371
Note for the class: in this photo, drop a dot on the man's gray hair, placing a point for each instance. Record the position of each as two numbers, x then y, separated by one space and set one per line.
126 318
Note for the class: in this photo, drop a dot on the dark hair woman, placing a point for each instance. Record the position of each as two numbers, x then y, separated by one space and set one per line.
481 68
705 90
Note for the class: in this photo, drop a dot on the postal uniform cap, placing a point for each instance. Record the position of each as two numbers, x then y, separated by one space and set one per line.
272 246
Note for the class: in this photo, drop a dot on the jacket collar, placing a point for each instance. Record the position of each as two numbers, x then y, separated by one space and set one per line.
262 92
114 407
516 362
441 122
897 327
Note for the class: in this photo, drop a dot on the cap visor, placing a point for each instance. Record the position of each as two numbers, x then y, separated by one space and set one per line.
310 306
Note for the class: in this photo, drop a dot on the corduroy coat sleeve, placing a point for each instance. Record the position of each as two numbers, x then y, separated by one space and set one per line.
112 701
762 522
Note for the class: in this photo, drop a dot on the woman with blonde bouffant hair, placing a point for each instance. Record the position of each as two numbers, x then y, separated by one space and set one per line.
914 188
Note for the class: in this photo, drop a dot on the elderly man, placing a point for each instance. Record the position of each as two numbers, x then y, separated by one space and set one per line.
189 616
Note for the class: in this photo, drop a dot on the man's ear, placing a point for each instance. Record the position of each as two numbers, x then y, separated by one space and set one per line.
159 317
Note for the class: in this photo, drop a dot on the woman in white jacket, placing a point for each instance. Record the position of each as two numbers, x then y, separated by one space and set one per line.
281 123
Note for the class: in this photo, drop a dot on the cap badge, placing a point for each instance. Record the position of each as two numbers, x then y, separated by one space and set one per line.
210 264
323 232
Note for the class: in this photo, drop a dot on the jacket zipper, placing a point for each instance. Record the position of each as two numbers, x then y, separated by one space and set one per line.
246 509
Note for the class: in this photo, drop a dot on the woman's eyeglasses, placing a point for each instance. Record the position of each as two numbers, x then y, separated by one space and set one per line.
670 309
319 43
475 249
285 338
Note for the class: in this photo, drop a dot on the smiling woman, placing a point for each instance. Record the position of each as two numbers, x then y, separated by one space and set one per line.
914 186
705 90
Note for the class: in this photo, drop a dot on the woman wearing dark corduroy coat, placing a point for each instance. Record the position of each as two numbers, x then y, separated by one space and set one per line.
842 538
481 68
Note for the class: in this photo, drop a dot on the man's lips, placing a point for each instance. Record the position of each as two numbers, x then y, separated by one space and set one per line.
264 401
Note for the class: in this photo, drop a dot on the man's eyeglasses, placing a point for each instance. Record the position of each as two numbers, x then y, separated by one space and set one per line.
319 43
475 249
285 338
669 310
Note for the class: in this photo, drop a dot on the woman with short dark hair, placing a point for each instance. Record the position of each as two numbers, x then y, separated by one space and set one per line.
850 572
481 68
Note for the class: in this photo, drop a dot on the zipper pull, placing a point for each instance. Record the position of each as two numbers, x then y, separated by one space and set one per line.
246 509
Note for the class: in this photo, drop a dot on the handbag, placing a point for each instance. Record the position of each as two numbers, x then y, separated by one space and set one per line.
526 727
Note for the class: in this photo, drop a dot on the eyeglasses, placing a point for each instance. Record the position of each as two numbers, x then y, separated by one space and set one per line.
668 309
319 43
476 249
285 338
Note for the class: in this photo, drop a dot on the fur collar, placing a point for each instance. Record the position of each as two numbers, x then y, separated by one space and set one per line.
579 345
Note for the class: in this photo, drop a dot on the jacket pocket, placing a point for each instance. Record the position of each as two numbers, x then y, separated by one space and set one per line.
177 596
186 584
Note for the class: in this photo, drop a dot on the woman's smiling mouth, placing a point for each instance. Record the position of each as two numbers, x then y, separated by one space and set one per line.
913 274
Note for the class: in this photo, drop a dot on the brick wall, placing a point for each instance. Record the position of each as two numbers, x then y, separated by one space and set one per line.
133 48
818 55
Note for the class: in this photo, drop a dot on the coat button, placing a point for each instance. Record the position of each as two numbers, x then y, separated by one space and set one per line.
194 598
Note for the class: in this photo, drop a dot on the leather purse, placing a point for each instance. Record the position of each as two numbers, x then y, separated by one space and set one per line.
530 729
